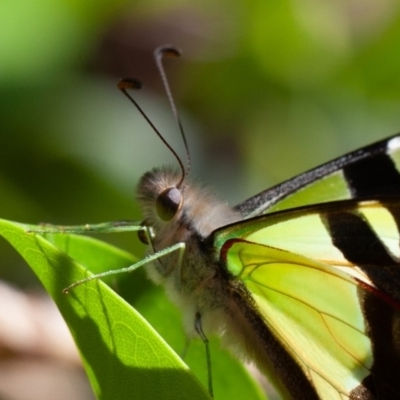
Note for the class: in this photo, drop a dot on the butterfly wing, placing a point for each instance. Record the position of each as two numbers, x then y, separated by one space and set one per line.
325 280
365 173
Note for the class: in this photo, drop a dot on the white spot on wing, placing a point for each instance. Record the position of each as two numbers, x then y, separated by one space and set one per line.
393 144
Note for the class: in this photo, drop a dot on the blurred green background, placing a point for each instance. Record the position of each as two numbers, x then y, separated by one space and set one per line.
266 90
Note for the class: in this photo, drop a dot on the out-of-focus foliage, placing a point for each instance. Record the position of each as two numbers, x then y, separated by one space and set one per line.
266 89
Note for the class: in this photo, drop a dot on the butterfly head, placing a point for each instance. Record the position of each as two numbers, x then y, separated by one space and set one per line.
161 198
174 210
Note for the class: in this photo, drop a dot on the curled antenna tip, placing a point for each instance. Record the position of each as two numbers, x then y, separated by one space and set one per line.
129 83
167 51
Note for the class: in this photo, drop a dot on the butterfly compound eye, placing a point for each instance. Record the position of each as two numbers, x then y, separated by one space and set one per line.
168 203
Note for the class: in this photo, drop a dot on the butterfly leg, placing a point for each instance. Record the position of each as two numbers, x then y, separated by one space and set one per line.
104 227
199 329
146 260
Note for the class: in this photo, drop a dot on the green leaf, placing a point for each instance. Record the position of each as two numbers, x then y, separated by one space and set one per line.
123 355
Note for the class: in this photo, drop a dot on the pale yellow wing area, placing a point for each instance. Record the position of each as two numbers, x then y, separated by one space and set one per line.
314 311
309 294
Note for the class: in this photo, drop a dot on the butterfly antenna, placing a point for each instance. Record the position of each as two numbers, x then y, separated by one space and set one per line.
159 54
132 83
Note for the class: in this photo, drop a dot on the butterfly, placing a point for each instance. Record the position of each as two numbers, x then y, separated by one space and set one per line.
303 279
311 292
